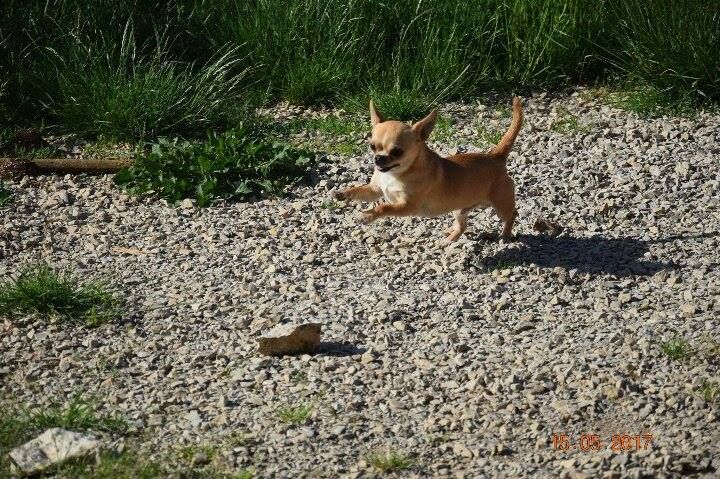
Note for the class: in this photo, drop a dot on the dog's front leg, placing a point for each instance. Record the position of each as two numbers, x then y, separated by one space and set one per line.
386 209
366 193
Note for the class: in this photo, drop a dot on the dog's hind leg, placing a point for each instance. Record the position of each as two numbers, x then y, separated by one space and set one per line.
503 202
459 226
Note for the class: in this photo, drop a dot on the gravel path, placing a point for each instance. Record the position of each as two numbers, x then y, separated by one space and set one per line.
466 358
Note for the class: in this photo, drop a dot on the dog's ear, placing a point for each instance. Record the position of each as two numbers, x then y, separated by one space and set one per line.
425 126
375 116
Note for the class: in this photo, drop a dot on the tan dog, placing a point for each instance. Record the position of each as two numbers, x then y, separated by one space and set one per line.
416 181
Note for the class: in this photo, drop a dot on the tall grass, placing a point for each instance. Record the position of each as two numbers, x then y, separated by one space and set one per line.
128 68
121 69
668 45
126 95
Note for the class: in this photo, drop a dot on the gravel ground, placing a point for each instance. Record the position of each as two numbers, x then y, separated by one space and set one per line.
466 358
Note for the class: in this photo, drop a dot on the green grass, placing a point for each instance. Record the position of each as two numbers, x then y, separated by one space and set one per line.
6 195
331 205
143 98
648 101
57 295
112 148
330 134
402 105
443 131
489 135
676 348
79 415
491 131
567 123
709 391
501 265
43 152
330 125
211 469
389 461
19 425
294 414
130 464
670 47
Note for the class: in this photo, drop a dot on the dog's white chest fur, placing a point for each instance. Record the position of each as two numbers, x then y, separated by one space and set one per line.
391 187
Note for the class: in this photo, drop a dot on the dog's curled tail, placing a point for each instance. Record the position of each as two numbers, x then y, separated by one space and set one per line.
508 140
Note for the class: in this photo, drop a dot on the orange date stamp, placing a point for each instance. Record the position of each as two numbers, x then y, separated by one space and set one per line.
593 442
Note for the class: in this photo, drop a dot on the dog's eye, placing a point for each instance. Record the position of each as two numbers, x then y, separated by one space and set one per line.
372 146
396 152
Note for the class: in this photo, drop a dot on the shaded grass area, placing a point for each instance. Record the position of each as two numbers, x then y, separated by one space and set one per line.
129 464
58 295
19 425
139 70
6 196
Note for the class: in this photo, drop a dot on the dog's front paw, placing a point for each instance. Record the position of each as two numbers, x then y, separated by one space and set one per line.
366 217
336 195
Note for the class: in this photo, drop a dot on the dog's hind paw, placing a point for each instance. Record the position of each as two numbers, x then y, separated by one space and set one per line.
452 237
365 217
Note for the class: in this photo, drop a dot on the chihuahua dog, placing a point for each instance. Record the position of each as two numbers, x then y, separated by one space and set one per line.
416 181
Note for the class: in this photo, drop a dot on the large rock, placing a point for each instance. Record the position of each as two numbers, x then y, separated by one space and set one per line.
51 448
290 339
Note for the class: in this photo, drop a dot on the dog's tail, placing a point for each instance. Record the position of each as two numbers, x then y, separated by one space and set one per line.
508 140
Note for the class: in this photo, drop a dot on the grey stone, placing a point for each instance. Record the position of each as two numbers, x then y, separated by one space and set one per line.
53 447
290 339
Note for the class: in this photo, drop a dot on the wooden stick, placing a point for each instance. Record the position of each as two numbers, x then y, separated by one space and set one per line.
70 165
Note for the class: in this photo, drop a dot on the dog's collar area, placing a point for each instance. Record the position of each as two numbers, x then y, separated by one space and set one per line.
385 169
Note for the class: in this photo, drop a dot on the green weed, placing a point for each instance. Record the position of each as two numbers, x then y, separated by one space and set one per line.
709 391
234 166
389 461
676 348
294 414
57 295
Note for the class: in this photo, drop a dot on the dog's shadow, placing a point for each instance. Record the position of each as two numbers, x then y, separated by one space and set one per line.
595 255
339 349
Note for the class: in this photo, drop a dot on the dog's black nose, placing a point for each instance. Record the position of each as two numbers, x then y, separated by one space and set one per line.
381 160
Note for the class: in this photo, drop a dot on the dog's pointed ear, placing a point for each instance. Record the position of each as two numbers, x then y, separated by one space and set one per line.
425 126
375 116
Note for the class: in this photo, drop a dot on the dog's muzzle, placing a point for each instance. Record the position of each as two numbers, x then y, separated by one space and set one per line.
382 162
